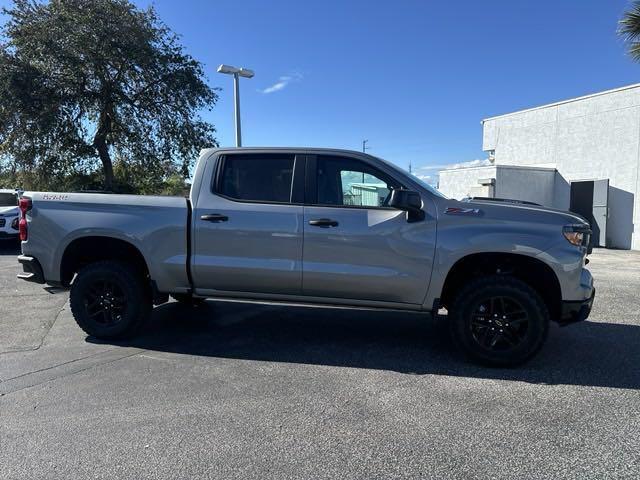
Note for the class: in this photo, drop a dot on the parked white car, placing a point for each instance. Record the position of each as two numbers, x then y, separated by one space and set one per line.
9 214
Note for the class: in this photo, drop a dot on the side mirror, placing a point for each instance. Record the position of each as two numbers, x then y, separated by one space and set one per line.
409 201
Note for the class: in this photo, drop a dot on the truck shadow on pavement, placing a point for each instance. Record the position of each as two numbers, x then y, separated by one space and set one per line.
589 353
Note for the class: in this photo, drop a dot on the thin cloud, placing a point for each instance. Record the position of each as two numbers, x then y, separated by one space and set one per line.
430 179
282 83
471 163
431 173
423 177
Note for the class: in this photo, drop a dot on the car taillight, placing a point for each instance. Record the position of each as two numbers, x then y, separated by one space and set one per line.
25 206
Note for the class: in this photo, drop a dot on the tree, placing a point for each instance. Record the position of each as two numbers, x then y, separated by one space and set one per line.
630 29
85 82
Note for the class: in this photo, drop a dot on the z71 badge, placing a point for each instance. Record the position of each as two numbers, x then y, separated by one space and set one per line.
462 211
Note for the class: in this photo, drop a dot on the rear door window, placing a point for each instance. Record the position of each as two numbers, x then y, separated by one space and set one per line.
260 178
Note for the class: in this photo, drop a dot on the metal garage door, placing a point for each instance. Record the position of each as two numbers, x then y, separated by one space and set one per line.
591 200
600 212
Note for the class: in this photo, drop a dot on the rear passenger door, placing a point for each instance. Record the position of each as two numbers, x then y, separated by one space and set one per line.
248 225
356 247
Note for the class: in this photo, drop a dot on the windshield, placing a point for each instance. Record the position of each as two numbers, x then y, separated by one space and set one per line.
8 200
431 188
422 183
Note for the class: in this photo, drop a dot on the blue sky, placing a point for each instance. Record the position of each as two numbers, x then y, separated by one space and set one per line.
415 78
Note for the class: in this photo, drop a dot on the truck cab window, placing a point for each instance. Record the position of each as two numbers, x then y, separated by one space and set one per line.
346 182
257 178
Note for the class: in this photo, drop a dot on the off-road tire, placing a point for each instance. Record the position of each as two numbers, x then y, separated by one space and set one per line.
467 317
131 296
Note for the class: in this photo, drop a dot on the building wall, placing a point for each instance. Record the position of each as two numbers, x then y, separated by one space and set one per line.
589 138
460 182
534 185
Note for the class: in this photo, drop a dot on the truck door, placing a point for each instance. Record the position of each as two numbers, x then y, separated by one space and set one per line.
356 247
247 225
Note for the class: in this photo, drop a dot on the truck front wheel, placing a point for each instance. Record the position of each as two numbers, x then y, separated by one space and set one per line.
499 320
109 300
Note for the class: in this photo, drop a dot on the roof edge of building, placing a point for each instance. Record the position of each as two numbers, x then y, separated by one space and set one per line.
474 167
546 168
527 167
562 102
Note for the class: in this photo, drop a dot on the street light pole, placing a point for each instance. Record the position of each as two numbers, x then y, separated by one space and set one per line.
236 102
237 73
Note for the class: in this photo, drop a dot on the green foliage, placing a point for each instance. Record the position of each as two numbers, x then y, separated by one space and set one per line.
175 185
100 83
630 30
125 181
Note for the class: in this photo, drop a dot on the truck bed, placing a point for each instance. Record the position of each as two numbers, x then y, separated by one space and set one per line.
156 226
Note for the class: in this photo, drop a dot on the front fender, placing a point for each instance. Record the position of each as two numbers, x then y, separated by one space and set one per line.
459 238
567 261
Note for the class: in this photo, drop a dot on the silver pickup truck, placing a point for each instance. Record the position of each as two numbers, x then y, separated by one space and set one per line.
314 226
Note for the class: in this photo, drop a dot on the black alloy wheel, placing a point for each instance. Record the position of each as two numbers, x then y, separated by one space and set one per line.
499 323
498 320
105 302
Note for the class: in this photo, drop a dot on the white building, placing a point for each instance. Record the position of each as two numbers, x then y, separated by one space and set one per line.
581 154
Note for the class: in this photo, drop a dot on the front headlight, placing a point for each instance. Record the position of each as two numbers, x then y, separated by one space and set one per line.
575 234
574 238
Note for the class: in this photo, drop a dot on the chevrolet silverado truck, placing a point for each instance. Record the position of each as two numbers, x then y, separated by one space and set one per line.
314 226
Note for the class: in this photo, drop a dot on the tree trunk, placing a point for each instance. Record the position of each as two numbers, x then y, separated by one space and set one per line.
100 144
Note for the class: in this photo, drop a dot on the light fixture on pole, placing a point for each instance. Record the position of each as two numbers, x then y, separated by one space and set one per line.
237 73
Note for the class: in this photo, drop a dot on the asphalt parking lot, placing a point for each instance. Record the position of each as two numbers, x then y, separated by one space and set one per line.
240 391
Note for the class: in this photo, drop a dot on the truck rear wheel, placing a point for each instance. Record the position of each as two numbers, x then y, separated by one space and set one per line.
499 320
109 300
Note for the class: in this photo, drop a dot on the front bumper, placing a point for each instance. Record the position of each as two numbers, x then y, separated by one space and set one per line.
577 311
32 269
